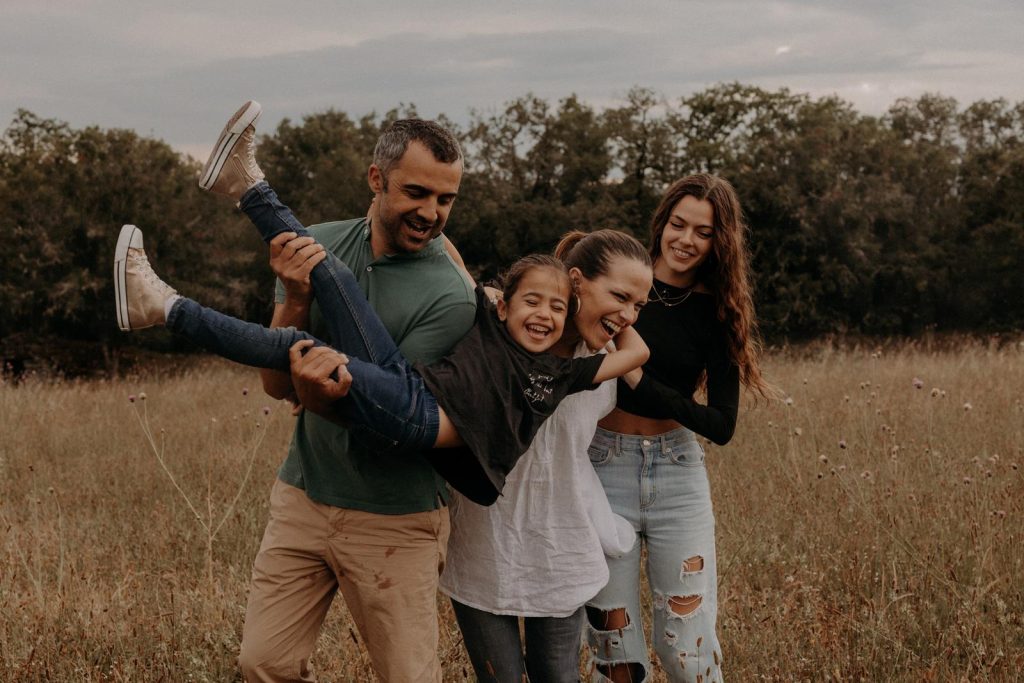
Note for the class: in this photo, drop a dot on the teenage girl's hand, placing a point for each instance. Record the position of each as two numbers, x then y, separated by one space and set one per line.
292 258
319 376
493 293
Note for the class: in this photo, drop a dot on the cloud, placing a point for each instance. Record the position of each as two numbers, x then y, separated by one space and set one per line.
175 70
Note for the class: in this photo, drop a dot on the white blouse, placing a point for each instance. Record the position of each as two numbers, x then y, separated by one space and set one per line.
536 552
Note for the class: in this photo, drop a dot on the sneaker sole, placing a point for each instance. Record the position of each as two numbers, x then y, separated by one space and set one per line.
236 125
124 240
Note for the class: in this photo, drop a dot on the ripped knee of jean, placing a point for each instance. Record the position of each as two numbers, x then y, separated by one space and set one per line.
609 661
688 598
684 630
608 619
692 565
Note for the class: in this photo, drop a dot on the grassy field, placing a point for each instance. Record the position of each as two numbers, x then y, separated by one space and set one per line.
870 526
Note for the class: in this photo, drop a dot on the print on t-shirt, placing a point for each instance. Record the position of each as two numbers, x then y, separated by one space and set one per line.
539 387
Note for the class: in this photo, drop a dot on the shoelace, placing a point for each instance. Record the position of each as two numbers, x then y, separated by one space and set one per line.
145 270
248 139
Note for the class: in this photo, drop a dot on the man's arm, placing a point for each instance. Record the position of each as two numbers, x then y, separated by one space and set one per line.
457 257
291 259
278 384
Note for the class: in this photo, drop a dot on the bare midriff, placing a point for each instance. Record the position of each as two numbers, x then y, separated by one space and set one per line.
627 423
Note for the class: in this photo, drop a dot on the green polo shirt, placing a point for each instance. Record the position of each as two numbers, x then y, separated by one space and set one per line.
427 305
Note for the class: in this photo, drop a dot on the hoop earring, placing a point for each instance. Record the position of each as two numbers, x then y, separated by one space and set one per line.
576 304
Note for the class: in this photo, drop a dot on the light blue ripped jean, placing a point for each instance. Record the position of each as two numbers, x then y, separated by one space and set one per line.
660 485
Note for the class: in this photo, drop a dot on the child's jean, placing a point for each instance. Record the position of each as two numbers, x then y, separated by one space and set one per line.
387 399
660 485
495 647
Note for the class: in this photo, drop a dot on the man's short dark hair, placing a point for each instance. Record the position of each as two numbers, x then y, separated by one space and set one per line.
395 140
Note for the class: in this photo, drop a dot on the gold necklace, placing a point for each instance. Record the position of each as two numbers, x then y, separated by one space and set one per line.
669 301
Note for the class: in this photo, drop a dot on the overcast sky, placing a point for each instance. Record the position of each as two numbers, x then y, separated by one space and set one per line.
176 69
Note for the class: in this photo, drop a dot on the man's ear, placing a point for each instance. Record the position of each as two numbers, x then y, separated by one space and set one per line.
502 308
375 179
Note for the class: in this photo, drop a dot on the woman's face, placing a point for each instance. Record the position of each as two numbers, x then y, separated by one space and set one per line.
686 241
610 302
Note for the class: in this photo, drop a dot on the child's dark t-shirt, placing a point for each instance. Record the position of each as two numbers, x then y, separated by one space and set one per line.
497 394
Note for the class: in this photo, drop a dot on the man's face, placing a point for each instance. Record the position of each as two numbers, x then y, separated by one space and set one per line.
414 206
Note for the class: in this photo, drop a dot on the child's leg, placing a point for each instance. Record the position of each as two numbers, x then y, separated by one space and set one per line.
391 402
237 340
261 204
353 327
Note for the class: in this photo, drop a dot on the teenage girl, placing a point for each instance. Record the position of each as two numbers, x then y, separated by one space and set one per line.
701 329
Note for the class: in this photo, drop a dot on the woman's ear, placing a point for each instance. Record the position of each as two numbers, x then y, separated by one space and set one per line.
575 277
502 309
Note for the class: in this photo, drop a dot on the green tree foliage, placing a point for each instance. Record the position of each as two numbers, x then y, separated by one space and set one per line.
66 194
320 165
985 283
533 173
894 224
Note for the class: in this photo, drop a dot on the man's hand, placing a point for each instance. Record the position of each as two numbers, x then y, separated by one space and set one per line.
316 389
292 258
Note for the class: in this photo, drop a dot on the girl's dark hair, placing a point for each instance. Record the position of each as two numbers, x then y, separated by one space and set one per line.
726 272
509 280
591 252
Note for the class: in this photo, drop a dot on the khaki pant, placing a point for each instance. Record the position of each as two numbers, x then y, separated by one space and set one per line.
386 567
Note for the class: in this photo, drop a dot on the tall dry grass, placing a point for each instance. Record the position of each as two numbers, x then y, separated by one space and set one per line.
868 529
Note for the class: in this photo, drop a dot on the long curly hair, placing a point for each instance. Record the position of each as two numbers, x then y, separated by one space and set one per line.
726 271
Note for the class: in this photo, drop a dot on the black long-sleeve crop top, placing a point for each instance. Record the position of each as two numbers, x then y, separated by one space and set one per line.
685 340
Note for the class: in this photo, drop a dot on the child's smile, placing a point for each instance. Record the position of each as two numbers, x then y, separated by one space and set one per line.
535 314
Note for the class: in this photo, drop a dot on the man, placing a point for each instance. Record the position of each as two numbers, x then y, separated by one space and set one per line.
373 526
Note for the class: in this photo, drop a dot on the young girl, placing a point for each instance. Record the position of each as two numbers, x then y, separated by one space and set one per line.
490 394
701 328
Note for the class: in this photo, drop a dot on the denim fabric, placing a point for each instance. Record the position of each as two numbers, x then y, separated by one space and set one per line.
270 216
388 400
496 650
660 485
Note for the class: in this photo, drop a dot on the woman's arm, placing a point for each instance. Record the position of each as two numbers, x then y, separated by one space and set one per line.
630 353
715 421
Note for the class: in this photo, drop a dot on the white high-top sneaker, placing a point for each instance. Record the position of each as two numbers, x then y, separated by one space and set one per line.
232 168
141 295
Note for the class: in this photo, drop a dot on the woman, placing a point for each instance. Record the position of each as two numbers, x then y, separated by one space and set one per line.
700 327
536 552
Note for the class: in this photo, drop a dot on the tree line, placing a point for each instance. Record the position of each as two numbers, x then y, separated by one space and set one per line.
879 225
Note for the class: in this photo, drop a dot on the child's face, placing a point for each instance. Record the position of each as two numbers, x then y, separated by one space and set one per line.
535 315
